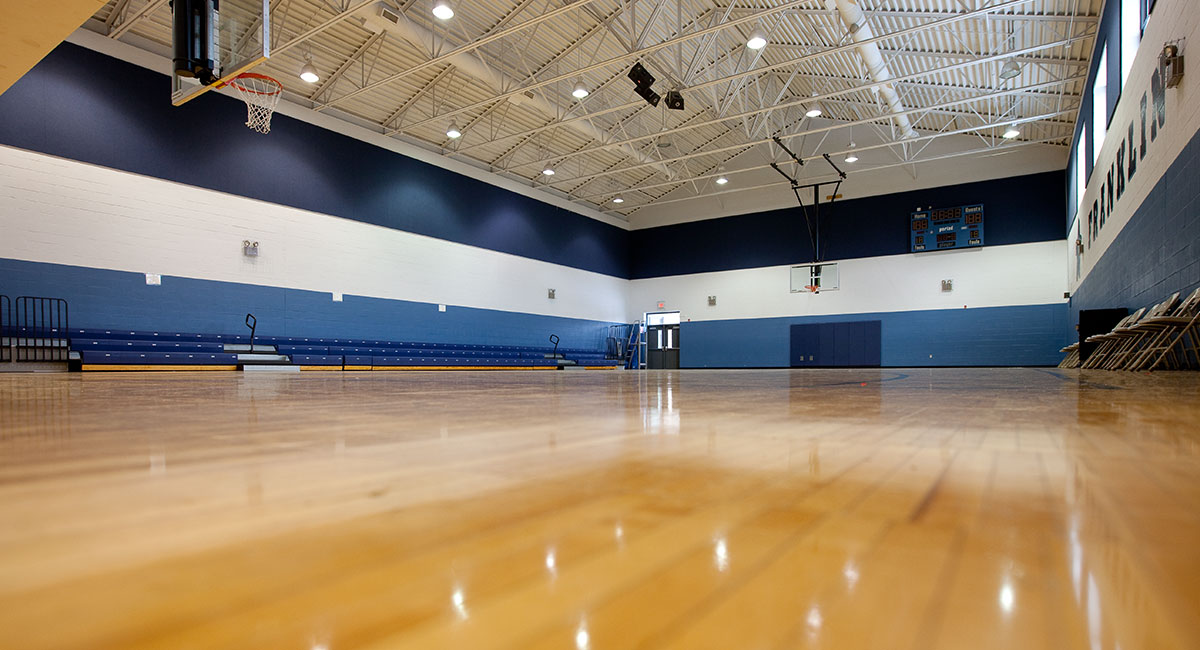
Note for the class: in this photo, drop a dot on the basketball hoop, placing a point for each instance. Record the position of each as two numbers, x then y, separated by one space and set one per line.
812 288
261 94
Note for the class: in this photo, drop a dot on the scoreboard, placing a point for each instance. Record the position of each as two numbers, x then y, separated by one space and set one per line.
944 228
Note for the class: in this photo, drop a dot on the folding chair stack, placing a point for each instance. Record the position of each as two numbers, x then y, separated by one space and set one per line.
1107 343
1165 337
1175 344
1132 339
1072 358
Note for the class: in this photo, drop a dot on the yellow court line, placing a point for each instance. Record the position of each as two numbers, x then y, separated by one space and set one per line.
336 368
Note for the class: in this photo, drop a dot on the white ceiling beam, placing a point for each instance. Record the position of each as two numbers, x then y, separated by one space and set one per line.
831 95
814 56
625 210
746 145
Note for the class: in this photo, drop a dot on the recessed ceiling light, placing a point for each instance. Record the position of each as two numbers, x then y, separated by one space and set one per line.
548 171
757 40
580 90
443 10
453 131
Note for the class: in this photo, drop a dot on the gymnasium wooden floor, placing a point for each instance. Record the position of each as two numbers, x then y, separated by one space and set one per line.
898 510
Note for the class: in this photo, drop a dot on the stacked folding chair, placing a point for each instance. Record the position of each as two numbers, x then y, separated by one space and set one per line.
1174 343
1132 339
1107 343
1072 358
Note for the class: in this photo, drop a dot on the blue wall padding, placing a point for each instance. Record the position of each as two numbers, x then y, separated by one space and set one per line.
1017 210
1158 251
1028 335
86 106
118 299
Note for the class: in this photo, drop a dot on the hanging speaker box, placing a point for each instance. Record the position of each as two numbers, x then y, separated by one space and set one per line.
647 94
640 76
674 100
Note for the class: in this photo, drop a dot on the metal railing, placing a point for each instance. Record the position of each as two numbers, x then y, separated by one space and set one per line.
39 329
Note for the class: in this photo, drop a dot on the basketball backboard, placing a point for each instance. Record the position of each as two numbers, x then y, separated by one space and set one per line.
243 38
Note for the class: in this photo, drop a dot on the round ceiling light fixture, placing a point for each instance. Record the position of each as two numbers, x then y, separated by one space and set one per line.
852 156
443 10
1010 70
453 132
308 72
580 90
757 40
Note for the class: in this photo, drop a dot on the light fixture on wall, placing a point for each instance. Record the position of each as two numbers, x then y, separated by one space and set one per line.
443 10
1010 70
453 131
580 90
852 156
757 40
721 180
1011 133
308 71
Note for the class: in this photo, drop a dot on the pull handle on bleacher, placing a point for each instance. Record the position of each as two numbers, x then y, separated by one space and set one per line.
252 323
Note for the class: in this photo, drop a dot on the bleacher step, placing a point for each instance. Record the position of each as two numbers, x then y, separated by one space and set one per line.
33 366
245 347
263 359
270 368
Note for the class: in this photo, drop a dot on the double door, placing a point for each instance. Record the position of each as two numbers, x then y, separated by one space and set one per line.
662 347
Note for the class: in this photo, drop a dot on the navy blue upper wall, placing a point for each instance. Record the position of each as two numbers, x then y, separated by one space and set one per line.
86 106
1017 210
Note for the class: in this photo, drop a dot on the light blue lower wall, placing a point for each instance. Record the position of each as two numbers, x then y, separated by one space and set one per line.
1027 335
101 298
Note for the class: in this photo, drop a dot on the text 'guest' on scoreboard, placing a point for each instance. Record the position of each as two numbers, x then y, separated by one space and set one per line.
944 228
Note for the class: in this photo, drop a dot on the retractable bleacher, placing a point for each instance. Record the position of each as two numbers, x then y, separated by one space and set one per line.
111 349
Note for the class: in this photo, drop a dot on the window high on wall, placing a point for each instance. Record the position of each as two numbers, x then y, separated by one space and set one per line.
1080 170
1131 35
1100 105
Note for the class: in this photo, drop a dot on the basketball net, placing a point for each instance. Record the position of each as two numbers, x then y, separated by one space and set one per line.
261 94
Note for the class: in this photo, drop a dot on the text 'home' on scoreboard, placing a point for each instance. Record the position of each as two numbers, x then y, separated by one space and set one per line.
944 228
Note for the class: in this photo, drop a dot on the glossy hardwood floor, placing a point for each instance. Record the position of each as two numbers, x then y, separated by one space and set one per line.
906 510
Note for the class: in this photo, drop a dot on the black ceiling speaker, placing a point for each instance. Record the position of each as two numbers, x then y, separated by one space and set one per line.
641 76
648 94
674 100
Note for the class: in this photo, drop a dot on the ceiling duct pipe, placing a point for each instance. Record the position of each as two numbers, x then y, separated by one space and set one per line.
383 17
856 25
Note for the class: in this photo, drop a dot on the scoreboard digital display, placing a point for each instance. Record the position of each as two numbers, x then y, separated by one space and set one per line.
946 228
